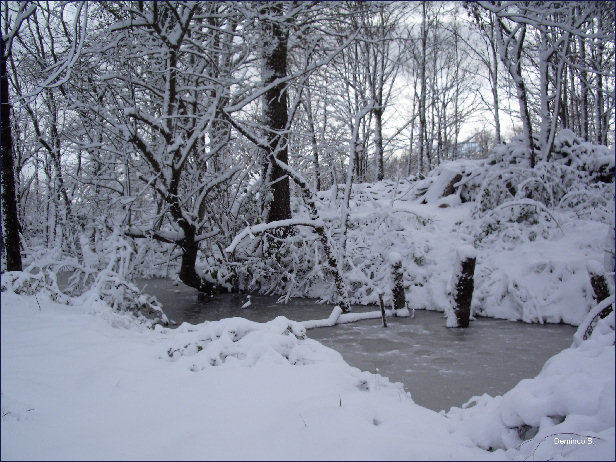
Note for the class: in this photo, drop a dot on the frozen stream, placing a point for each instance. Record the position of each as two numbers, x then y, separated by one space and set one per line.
441 367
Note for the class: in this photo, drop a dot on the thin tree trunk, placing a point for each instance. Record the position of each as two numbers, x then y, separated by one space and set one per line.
583 91
514 67
412 136
378 142
422 78
69 219
313 140
601 135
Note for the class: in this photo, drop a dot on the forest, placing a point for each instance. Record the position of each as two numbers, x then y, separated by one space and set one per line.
357 153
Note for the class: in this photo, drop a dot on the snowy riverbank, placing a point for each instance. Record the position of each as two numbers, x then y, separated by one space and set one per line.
84 382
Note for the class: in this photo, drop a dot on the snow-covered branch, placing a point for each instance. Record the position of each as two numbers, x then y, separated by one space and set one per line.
263 227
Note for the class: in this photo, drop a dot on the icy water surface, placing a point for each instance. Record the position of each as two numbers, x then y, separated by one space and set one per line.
441 367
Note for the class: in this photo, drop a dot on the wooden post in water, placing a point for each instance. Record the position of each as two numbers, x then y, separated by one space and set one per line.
462 286
399 298
382 309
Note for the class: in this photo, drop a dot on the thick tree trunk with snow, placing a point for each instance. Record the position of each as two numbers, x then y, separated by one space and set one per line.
10 221
463 285
276 117
398 285
188 274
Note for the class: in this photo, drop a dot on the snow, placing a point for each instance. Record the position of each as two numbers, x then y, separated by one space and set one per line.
332 320
578 337
92 383
75 387
466 252
337 317
436 189
394 257
594 267
256 229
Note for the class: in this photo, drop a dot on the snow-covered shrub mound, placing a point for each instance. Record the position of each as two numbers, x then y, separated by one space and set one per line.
567 411
460 178
292 269
240 342
573 170
374 233
537 228
124 297
596 160
533 285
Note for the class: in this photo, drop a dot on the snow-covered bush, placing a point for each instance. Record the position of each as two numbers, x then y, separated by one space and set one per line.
65 280
113 284
294 268
52 274
522 215
462 178
516 221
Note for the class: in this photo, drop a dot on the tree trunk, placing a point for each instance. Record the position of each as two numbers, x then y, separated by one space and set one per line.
497 126
601 135
583 91
10 222
378 142
313 140
398 285
188 273
422 96
276 116
412 135
514 67
463 286
382 310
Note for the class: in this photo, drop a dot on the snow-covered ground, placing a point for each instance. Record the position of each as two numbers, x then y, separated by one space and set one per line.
74 387
85 382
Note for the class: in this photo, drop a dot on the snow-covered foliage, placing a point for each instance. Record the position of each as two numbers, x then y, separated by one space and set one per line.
534 229
113 285
66 281
566 411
